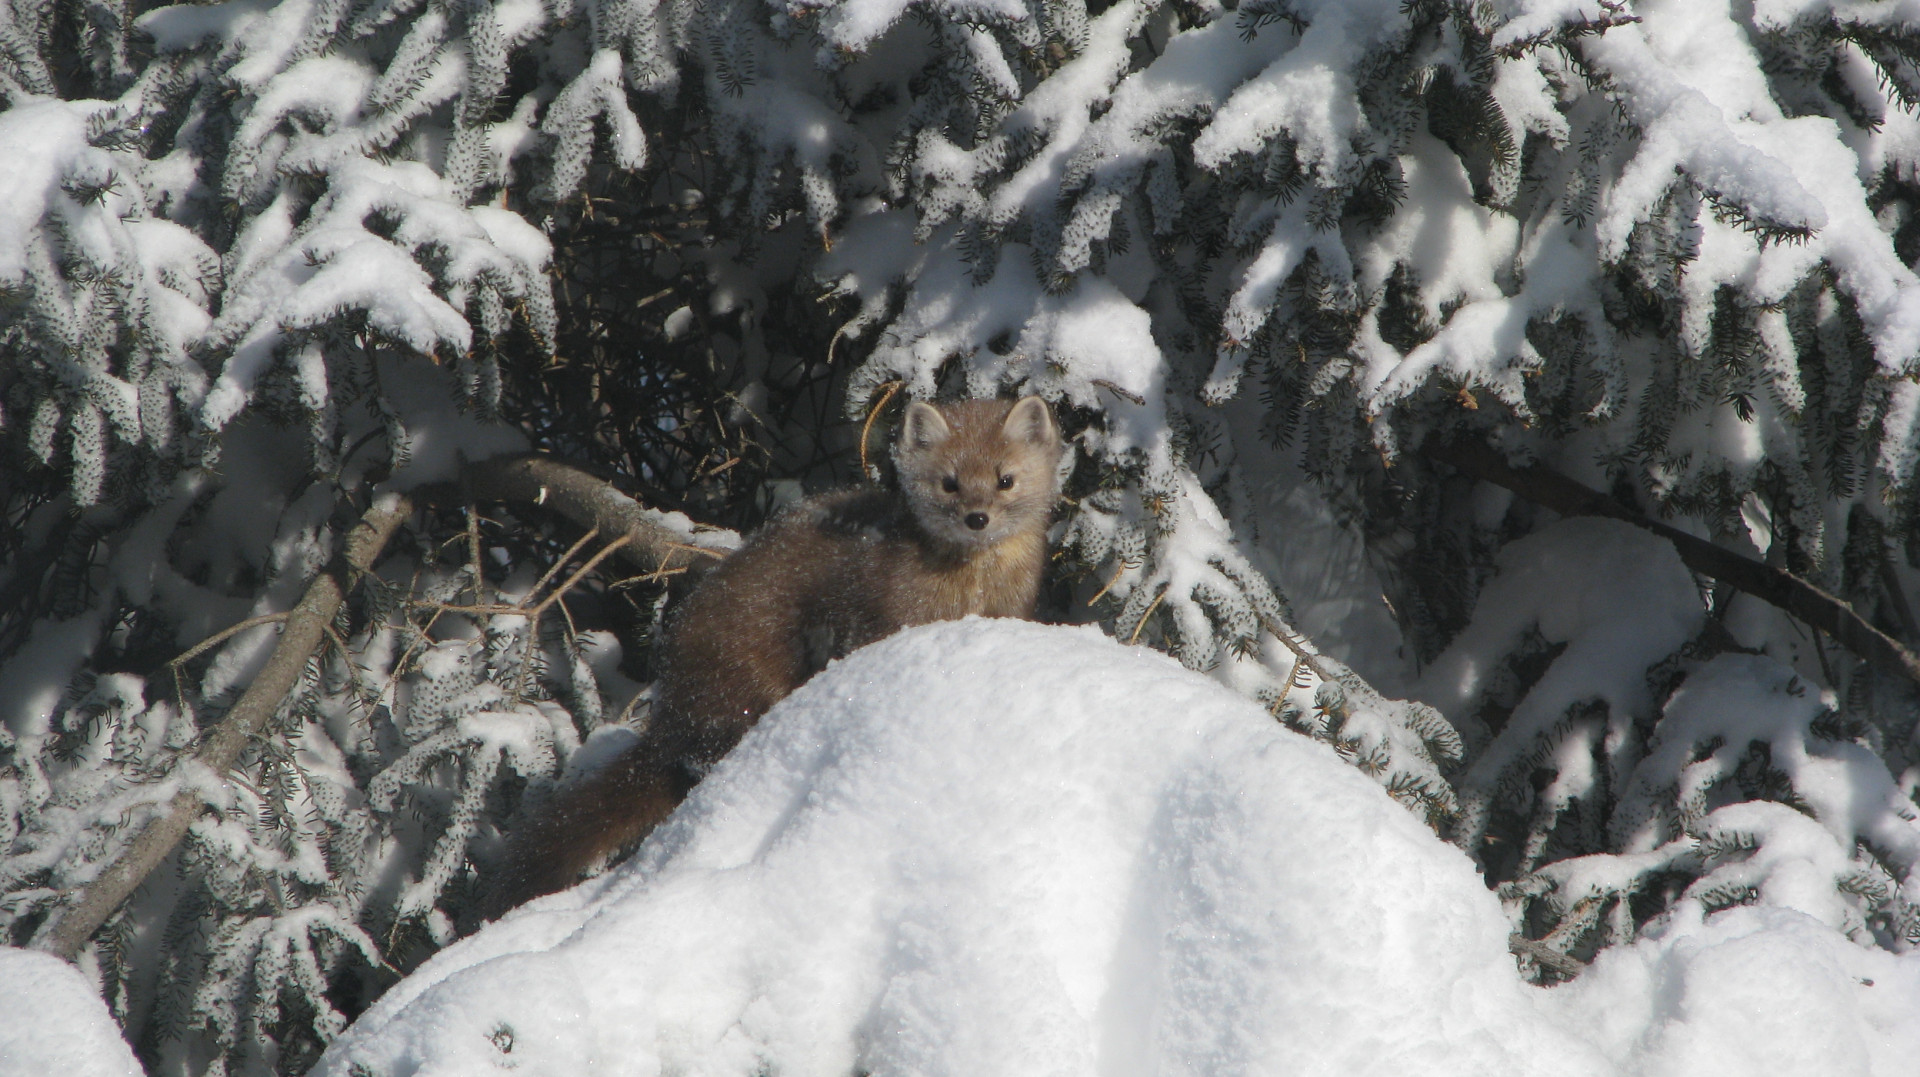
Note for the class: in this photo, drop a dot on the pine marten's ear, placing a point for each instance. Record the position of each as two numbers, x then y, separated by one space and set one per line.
923 426
1031 421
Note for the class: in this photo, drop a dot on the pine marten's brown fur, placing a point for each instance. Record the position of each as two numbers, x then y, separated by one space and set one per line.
964 533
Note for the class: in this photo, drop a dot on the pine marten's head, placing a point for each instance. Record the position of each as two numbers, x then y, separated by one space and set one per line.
979 471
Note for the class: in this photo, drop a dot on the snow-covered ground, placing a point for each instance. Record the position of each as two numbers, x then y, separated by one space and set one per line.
994 847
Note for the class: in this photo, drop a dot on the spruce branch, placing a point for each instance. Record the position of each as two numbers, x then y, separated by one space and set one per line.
1612 15
1773 586
572 492
306 626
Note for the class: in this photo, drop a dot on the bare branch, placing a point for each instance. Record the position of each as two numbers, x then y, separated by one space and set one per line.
649 539
1545 956
221 636
560 563
306 626
1784 590
652 542
581 573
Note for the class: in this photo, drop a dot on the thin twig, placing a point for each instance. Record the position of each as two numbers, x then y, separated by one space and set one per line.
559 563
1890 581
646 577
662 293
491 609
1302 655
222 636
422 637
1128 395
718 469
473 554
592 563
1293 674
872 414
1820 652
1154 605
1300 652
523 678
834 341
1545 956
1102 592
494 609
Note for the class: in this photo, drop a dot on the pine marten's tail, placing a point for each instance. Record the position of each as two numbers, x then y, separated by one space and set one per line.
608 810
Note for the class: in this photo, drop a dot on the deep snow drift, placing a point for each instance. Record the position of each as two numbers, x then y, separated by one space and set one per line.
995 847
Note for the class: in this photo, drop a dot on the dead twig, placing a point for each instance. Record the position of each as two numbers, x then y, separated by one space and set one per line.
1127 395
574 580
1545 956
873 413
493 609
644 578
473 555
1147 616
220 637
1115 578
652 545
559 563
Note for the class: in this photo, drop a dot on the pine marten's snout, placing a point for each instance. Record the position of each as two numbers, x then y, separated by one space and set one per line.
978 473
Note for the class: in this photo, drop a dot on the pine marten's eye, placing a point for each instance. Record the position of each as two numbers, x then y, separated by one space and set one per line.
1006 482
950 484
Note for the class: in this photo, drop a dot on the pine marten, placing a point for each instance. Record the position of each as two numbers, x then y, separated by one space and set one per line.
964 533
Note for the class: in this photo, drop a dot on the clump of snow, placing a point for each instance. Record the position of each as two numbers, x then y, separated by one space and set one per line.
441 435
1631 604
53 1023
1699 91
43 141
291 279
994 846
1308 92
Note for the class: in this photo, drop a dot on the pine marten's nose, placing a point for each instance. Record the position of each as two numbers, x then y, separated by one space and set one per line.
977 521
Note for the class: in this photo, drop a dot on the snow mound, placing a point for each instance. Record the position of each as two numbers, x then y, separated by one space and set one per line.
997 847
52 1023
1749 992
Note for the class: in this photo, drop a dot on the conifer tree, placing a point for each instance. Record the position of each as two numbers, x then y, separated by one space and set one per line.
263 264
